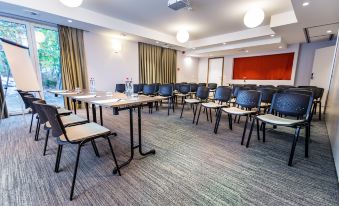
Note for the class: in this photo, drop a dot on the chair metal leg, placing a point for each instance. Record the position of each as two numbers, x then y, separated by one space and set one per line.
95 148
58 158
75 172
168 106
307 140
115 159
295 139
211 114
230 121
173 105
46 142
217 120
250 134
182 110
264 132
258 128
244 132
206 110
198 114
320 110
30 128
37 130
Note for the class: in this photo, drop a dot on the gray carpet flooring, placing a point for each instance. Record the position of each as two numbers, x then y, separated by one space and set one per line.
192 166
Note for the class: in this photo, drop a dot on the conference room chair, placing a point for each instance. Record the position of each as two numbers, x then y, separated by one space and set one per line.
201 96
183 92
266 86
292 105
167 91
120 88
136 88
317 95
149 90
221 99
68 120
248 104
24 96
266 97
29 100
202 85
194 87
250 86
76 135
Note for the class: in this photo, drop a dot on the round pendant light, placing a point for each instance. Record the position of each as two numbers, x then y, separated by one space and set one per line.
183 36
254 17
72 3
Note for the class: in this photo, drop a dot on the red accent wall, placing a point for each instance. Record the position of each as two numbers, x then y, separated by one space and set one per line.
268 67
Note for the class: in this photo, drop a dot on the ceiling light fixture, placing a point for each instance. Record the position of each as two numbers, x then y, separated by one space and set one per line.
69 21
183 36
246 51
272 35
306 3
224 43
329 31
254 17
157 42
71 3
280 47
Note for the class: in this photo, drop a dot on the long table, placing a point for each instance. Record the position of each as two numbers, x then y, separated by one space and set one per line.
117 102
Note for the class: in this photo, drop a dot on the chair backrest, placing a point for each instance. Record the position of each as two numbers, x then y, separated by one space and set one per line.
237 89
292 104
51 112
203 92
30 99
299 91
149 89
177 86
157 86
202 85
212 86
42 116
120 88
306 86
249 99
184 88
223 93
251 86
318 93
166 90
24 99
267 94
266 86
193 87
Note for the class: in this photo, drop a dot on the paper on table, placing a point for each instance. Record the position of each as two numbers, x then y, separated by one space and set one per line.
105 101
84 96
57 91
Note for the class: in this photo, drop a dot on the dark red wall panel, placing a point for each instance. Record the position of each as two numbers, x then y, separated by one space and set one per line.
268 67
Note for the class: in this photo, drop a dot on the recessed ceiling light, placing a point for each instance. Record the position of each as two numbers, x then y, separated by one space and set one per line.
329 31
69 21
306 3
72 3
254 17
280 47
183 36
246 51
157 42
224 43
272 35
193 48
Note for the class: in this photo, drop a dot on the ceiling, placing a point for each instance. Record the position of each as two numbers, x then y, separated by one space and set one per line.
207 17
211 23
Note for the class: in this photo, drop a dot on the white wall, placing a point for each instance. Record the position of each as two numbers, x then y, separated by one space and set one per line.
109 68
228 68
332 112
187 68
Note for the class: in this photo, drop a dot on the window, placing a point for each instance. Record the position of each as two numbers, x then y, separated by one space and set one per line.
44 49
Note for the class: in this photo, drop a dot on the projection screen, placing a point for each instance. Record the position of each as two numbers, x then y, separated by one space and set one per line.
21 67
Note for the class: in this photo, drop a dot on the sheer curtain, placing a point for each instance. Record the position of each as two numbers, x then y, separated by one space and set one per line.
156 64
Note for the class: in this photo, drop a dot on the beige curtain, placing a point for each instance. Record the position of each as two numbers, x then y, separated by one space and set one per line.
73 63
156 64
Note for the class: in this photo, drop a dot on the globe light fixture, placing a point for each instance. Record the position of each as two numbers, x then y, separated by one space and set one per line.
72 3
39 37
183 36
254 17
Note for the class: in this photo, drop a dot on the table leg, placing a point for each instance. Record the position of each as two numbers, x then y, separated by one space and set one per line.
94 113
87 111
75 105
139 131
115 170
67 103
101 119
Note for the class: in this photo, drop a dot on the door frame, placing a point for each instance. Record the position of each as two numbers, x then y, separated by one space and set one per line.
222 72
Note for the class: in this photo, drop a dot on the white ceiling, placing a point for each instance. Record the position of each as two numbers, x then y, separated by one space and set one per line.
208 17
210 23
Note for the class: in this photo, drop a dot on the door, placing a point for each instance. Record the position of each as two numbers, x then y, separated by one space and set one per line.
321 73
215 70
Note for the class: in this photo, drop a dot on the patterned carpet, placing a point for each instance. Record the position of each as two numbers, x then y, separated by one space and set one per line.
192 166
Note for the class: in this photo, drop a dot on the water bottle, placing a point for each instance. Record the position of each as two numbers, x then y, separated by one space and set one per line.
128 87
93 85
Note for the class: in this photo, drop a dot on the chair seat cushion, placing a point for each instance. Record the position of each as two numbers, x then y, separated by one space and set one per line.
272 119
64 111
211 105
84 131
69 120
237 111
191 101
181 95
